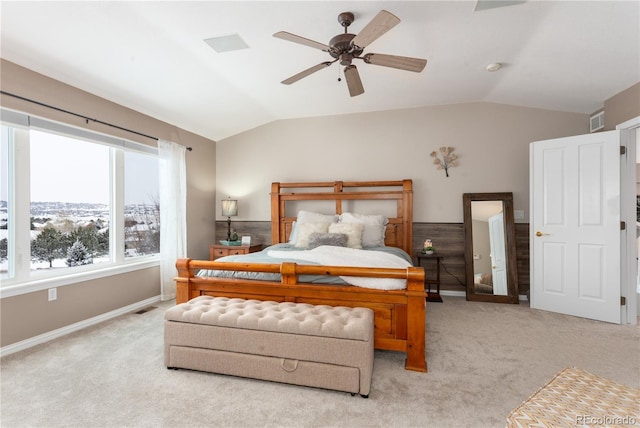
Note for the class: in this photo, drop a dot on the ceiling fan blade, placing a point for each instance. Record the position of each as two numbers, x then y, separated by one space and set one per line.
380 24
353 80
301 40
394 61
306 72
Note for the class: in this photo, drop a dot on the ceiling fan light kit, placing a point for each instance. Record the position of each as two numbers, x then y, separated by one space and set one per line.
346 47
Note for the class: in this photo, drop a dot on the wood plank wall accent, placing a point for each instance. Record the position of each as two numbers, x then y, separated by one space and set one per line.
260 231
448 238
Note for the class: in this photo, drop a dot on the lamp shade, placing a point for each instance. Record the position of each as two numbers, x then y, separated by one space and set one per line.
229 207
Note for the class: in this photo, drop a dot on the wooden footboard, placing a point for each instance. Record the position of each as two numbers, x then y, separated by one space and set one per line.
399 314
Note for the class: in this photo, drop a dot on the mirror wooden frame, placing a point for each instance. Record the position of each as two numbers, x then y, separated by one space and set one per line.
510 243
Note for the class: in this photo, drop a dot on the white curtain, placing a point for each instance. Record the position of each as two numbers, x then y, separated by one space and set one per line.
173 213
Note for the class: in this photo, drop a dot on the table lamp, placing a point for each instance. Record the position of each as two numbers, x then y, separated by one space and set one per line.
229 209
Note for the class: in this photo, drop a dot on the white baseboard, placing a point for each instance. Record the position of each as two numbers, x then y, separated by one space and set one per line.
54 334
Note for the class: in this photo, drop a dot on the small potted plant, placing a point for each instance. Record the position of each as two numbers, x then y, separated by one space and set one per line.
428 247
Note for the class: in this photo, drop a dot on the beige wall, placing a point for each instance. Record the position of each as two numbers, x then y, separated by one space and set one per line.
622 107
492 141
31 314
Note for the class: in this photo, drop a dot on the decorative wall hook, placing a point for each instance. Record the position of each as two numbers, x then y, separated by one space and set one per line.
447 160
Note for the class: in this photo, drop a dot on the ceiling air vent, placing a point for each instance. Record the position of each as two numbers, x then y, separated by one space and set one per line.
596 122
231 42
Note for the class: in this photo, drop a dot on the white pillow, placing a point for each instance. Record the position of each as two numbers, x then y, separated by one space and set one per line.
292 235
311 217
304 231
364 219
352 230
374 227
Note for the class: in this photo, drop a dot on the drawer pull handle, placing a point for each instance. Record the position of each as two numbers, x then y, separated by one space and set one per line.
289 369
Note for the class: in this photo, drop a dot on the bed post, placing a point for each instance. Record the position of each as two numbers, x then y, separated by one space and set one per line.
183 280
407 215
416 321
337 188
275 213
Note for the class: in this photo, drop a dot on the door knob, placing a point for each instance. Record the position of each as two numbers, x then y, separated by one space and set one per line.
538 233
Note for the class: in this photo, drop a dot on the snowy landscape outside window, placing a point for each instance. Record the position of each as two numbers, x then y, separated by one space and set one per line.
74 205
70 200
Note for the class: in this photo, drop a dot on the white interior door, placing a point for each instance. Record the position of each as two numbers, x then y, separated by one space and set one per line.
498 254
575 225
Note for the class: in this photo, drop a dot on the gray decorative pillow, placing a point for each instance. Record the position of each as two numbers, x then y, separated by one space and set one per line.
335 239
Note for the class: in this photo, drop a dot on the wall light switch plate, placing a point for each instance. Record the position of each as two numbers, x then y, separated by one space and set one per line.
518 214
52 293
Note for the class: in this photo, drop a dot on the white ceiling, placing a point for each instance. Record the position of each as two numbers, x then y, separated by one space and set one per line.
151 56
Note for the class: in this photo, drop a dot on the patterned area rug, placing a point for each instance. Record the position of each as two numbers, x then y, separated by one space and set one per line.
575 397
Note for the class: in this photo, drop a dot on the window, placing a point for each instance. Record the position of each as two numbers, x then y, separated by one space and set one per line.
73 202
142 205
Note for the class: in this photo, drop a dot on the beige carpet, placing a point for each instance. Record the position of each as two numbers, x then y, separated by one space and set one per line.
484 359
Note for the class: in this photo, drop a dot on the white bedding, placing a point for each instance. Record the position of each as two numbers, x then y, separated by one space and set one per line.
344 256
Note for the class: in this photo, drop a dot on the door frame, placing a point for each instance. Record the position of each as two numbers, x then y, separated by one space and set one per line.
629 264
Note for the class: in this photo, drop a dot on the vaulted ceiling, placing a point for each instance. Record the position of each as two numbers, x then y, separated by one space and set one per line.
152 57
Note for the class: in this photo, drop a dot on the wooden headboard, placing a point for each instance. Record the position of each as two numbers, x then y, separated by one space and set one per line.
399 232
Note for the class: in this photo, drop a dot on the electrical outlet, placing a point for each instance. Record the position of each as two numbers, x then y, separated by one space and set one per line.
518 214
53 294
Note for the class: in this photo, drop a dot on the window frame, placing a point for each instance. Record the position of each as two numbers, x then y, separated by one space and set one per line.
20 279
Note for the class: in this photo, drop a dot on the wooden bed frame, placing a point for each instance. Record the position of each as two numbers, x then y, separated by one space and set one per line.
399 314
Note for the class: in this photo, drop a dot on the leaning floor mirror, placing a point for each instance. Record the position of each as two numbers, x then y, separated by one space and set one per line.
490 252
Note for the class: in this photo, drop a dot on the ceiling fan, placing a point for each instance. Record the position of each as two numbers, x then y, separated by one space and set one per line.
346 47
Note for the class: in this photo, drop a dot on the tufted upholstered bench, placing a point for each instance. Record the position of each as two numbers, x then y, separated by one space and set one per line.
297 343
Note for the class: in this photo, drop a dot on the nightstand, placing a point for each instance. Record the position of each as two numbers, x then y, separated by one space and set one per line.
219 250
428 281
